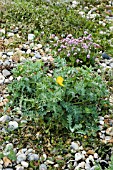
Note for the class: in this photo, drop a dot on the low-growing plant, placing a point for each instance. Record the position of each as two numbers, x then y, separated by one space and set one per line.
68 98
77 51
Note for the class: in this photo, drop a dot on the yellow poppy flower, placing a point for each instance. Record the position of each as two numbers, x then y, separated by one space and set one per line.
60 80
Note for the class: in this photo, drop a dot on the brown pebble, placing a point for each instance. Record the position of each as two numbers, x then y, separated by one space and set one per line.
90 152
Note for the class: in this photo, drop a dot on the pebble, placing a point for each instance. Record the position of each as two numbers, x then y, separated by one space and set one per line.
10 53
109 131
5 118
74 146
12 125
37 55
101 122
42 167
39 46
80 165
2 78
10 34
19 167
78 156
24 164
6 73
31 37
21 157
33 157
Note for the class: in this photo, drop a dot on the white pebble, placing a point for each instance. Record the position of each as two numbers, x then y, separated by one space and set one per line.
13 125
78 156
75 146
25 164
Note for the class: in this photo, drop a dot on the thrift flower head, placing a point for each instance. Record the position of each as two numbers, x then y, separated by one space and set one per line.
60 80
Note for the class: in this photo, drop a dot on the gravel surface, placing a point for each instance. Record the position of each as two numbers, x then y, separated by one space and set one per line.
76 155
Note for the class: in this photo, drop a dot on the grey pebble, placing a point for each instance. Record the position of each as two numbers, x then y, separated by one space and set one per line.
42 167
74 146
5 118
37 55
21 157
33 157
6 73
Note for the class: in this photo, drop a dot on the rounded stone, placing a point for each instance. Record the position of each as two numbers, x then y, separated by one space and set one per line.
13 125
33 157
78 156
42 167
5 118
74 146
2 78
6 73
21 157
24 164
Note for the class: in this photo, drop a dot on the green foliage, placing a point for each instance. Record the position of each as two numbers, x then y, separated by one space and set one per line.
59 18
73 106
11 155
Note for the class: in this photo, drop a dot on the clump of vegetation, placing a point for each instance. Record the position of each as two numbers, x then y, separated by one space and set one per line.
70 98
77 51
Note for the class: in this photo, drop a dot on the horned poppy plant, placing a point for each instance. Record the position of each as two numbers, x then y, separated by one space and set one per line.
60 80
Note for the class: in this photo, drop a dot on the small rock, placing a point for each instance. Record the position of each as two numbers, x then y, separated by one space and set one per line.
1 167
80 165
90 152
37 55
25 164
107 138
101 122
28 51
33 157
2 78
6 73
39 46
95 156
111 65
6 63
49 162
7 162
78 156
21 157
42 167
10 34
103 64
13 125
109 131
10 53
105 56
19 167
74 146
31 37
87 166
5 118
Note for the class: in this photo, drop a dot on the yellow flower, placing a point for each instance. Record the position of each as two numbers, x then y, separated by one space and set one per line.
60 80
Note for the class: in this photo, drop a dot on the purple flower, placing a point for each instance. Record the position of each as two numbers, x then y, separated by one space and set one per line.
88 56
68 54
77 60
84 45
85 32
59 49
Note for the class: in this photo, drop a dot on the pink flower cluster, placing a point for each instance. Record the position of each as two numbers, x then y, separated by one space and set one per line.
71 46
